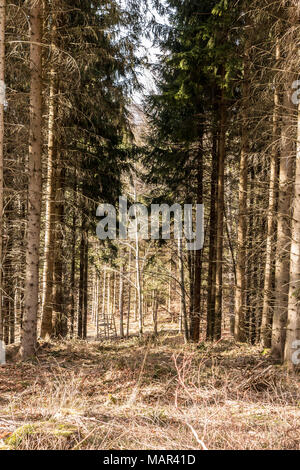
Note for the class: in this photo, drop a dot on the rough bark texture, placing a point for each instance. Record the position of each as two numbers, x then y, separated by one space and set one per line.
60 315
240 291
29 332
292 344
196 313
47 299
121 300
283 231
211 280
183 296
220 218
272 224
2 99
72 278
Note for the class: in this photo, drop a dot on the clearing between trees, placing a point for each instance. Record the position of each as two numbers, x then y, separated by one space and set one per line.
151 393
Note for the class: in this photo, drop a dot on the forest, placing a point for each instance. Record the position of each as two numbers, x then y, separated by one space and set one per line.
149 225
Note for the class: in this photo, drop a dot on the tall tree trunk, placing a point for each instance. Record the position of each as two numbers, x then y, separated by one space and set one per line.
191 271
154 313
47 298
72 275
103 302
60 314
139 292
96 311
292 344
11 320
108 305
29 333
220 218
129 294
86 285
211 279
121 299
251 264
2 104
196 314
283 230
240 292
81 282
268 299
183 297
169 298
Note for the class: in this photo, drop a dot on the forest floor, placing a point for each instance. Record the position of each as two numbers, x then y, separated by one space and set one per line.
155 393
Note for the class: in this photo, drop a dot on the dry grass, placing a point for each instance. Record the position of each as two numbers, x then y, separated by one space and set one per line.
151 394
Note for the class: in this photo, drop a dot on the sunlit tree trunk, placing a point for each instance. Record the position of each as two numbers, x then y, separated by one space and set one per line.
183 296
129 294
29 333
108 304
2 103
282 267
240 292
292 344
268 299
139 292
103 301
211 279
73 266
47 298
86 286
121 299
81 281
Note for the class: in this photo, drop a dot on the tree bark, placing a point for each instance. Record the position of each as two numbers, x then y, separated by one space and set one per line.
86 285
240 291
81 282
268 299
211 279
183 297
60 314
154 313
292 344
283 231
196 313
121 299
138 274
29 333
47 298
220 218
73 266
103 302
2 104
129 294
